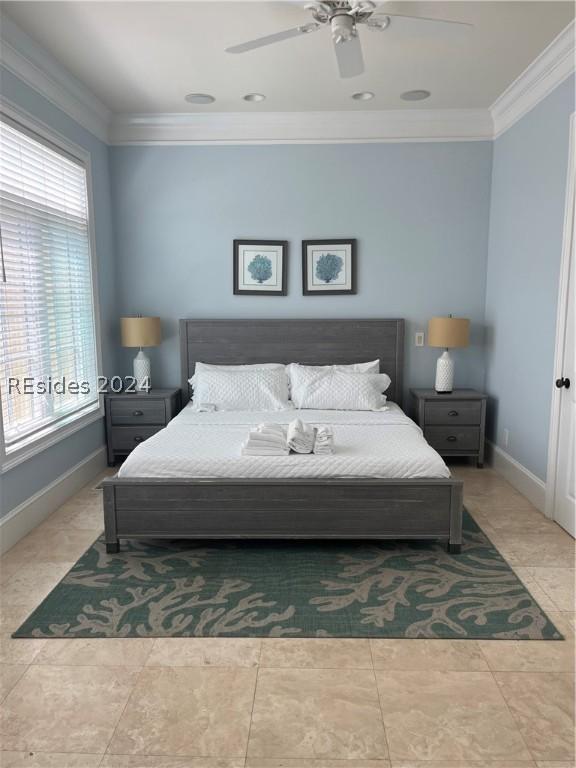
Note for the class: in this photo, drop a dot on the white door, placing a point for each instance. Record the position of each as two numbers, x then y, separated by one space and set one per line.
564 493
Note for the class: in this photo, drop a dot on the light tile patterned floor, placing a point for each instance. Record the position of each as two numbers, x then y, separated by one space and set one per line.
289 703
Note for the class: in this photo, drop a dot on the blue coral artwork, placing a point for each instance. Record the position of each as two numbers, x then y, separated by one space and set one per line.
328 267
260 267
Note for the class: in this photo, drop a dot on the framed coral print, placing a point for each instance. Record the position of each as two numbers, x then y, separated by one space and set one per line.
328 267
260 267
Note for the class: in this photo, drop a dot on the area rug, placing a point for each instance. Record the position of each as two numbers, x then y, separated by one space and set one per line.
292 589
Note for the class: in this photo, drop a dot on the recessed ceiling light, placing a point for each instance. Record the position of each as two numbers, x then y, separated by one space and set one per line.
254 97
363 96
199 98
418 95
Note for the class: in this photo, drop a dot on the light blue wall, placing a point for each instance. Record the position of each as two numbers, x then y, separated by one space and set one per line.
23 481
527 208
419 211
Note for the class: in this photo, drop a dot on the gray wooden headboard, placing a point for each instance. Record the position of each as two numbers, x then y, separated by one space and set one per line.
312 342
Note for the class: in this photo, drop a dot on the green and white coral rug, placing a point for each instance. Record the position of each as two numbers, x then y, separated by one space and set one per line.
292 589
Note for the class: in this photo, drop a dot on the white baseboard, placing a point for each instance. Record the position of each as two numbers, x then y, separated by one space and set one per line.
517 475
26 516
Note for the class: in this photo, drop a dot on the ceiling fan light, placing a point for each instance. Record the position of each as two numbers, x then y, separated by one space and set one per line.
320 11
318 6
362 9
378 23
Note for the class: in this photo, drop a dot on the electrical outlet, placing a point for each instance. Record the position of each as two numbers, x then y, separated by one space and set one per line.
506 437
419 339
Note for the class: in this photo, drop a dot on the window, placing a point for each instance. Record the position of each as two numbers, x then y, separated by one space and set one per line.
48 358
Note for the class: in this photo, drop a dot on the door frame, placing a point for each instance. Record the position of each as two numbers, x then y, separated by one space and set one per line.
569 231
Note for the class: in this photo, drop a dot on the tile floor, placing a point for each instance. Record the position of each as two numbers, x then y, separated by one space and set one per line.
288 703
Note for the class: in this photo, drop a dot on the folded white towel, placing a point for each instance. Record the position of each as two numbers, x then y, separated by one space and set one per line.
263 450
324 442
271 430
266 440
266 444
273 433
300 437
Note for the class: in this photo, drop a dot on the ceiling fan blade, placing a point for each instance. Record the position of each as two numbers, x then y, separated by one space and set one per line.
417 26
349 57
304 29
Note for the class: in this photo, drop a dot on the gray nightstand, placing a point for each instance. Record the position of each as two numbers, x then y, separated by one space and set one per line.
131 418
453 423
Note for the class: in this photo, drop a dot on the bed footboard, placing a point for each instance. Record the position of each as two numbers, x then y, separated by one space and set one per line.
282 509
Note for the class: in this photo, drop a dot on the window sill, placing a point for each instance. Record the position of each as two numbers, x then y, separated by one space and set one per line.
41 444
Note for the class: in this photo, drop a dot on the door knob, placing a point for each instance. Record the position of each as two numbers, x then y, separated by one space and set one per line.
563 382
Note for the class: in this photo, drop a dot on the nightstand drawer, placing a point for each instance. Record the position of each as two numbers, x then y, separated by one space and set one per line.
134 411
127 438
453 438
454 412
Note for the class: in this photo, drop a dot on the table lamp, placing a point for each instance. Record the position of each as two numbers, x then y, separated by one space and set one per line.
448 332
141 332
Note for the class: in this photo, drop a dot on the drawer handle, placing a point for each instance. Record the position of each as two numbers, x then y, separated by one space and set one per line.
138 439
452 413
137 413
451 438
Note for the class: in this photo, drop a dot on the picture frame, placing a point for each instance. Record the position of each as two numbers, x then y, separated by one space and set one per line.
329 267
260 267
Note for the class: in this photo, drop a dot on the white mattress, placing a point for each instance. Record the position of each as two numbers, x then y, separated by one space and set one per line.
385 444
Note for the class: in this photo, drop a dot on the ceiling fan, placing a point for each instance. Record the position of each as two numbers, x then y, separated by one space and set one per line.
343 18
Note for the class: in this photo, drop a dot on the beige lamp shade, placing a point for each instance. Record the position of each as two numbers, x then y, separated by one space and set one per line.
448 332
140 331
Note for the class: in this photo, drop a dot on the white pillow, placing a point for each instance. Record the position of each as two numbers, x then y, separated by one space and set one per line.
247 367
337 390
258 389
371 367
244 367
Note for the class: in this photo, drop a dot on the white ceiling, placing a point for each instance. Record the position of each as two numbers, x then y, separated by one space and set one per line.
145 56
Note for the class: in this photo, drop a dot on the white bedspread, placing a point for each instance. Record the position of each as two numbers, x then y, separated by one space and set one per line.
366 444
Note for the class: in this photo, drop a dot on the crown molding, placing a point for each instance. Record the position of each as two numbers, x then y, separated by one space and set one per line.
541 77
38 69
303 127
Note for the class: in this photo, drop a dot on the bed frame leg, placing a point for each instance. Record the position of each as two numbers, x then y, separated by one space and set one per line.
112 541
455 538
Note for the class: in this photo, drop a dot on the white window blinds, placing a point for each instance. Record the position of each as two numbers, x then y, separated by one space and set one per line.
48 364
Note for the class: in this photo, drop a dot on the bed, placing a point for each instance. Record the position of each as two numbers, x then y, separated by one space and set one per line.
189 480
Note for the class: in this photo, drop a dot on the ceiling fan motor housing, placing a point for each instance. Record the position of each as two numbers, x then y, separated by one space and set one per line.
326 10
343 27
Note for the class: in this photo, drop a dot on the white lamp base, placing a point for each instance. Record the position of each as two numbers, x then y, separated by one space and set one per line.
444 373
142 372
